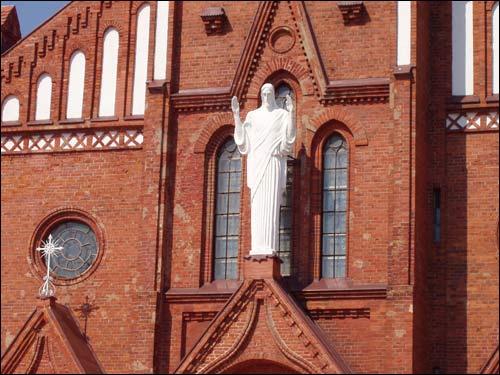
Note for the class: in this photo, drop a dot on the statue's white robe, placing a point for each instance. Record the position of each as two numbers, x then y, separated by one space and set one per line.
266 142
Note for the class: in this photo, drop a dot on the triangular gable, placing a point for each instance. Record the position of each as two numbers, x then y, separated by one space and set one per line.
252 51
262 322
258 34
51 341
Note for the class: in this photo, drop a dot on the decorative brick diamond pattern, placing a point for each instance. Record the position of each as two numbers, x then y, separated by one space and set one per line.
492 120
45 142
471 121
71 141
12 144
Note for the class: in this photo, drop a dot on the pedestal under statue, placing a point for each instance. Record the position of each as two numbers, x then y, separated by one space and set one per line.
267 136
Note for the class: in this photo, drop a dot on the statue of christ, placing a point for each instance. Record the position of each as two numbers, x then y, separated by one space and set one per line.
267 136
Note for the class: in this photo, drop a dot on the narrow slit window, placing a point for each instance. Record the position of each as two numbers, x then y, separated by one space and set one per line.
286 220
437 215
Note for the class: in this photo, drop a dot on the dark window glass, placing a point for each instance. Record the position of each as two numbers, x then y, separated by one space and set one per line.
437 215
285 234
227 212
281 92
79 251
334 210
286 216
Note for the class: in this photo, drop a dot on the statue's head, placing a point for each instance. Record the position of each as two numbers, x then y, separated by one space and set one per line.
267 95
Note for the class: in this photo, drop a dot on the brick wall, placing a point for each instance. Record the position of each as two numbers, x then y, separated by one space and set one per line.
436 304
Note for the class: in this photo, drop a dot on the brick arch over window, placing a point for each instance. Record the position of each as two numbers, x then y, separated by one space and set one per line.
211 129
213 143
281 64
340 115
319 140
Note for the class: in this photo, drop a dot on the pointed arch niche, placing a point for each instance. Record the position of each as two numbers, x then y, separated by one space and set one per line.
219 131
326 133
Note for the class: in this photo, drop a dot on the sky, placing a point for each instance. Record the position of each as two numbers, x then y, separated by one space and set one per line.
32 14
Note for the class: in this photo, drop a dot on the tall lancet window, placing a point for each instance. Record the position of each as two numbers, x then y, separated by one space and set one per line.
333 239
286 209
227 212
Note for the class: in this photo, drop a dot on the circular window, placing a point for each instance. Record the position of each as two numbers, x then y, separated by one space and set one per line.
79 242
79 249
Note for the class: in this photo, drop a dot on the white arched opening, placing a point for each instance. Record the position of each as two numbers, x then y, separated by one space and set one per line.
496 49
404 33
141 61
109 73
43 97
76 85
161 38
462 48
10 109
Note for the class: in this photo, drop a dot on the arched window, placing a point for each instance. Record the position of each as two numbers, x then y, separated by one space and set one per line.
109 72
141 60
76 85
462 48
227 212
10 109
43 97
286 209
496 49
334 209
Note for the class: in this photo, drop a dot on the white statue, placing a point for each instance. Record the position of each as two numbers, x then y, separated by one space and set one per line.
267 137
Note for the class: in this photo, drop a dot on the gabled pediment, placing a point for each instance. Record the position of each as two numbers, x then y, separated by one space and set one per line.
303 60
50 341
262 323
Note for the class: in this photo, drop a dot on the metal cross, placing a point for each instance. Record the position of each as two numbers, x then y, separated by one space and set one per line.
49 248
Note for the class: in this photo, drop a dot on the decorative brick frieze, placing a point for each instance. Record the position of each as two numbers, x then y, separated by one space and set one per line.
74 140
357 91
198 316
340 313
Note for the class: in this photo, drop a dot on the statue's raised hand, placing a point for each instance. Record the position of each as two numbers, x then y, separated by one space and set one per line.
235 106
289 103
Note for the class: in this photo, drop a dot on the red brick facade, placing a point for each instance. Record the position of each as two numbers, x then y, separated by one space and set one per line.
146 186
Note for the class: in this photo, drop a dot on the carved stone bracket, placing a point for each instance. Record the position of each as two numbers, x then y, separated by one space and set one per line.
214 19
352 11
